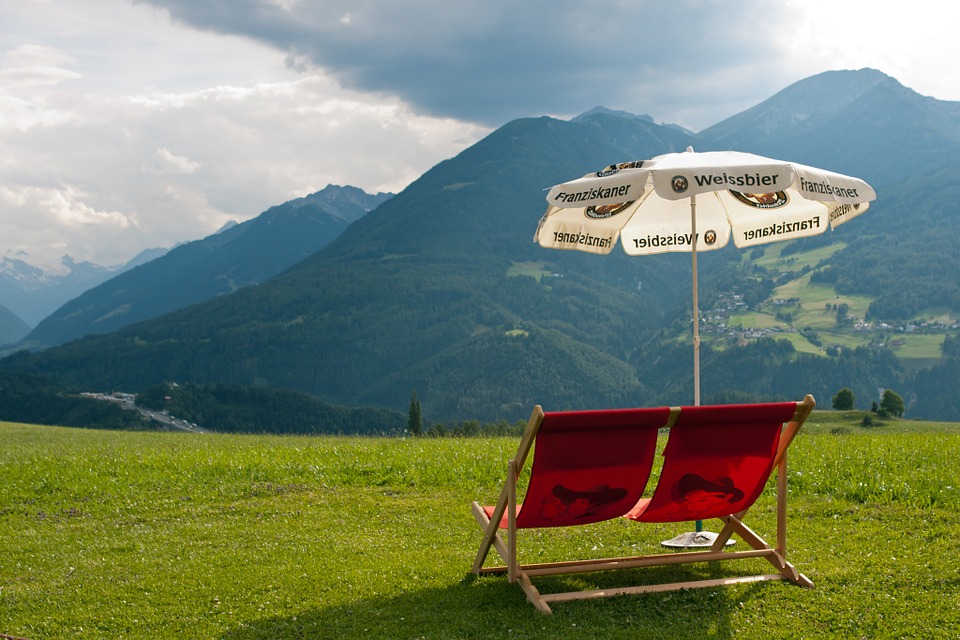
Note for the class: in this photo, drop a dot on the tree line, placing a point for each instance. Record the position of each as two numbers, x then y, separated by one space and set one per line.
233 408
35 400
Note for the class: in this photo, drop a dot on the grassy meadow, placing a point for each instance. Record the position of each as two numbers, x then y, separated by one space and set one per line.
153 535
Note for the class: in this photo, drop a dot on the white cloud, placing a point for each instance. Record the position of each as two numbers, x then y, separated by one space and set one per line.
63 206
34 76
20 114
24 69
68 207
167 133
44 223
165 162
31 65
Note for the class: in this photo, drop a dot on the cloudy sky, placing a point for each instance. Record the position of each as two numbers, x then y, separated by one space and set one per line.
129 124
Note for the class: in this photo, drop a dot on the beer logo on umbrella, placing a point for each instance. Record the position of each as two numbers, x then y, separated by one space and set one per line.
606 210
679 184
615 168
773 200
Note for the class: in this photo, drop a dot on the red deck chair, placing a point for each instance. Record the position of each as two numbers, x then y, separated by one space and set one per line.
589 464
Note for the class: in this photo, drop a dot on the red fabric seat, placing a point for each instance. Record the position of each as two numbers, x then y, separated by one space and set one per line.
716 462
588 466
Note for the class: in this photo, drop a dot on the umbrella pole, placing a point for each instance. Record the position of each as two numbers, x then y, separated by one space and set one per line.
698 538
696 314
696 302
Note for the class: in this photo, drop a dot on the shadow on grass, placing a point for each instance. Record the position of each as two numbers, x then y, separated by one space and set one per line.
490 607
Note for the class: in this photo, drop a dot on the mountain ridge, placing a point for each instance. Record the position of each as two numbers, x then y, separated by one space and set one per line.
32 292
826 132
235 256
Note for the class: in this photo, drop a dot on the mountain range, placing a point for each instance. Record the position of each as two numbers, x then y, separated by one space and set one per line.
237 256
31 292
440 290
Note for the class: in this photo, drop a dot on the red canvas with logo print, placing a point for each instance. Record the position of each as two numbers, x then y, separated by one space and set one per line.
716 462
588 466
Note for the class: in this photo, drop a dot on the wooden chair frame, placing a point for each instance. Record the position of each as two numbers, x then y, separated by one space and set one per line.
732 524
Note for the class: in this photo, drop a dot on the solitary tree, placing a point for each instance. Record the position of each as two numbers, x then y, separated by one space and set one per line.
415 418
891 404
843 401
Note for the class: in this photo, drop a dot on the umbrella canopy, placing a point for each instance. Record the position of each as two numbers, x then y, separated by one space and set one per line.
652 206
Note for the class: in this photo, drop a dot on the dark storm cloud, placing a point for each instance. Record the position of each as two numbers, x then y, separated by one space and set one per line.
493 61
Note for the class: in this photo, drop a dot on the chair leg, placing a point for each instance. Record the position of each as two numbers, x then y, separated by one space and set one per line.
533 595
491 537
775 558
494 540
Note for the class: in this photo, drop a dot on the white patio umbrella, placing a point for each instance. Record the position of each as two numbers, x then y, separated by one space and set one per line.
652 206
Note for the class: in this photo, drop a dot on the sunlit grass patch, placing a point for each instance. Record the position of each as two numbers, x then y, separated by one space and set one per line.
536 270
774 260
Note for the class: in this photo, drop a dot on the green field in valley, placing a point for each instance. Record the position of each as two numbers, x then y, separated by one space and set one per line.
813 306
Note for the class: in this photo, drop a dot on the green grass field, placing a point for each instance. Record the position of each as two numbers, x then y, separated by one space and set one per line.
536 270
773 259
813 300
156 535
800 343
